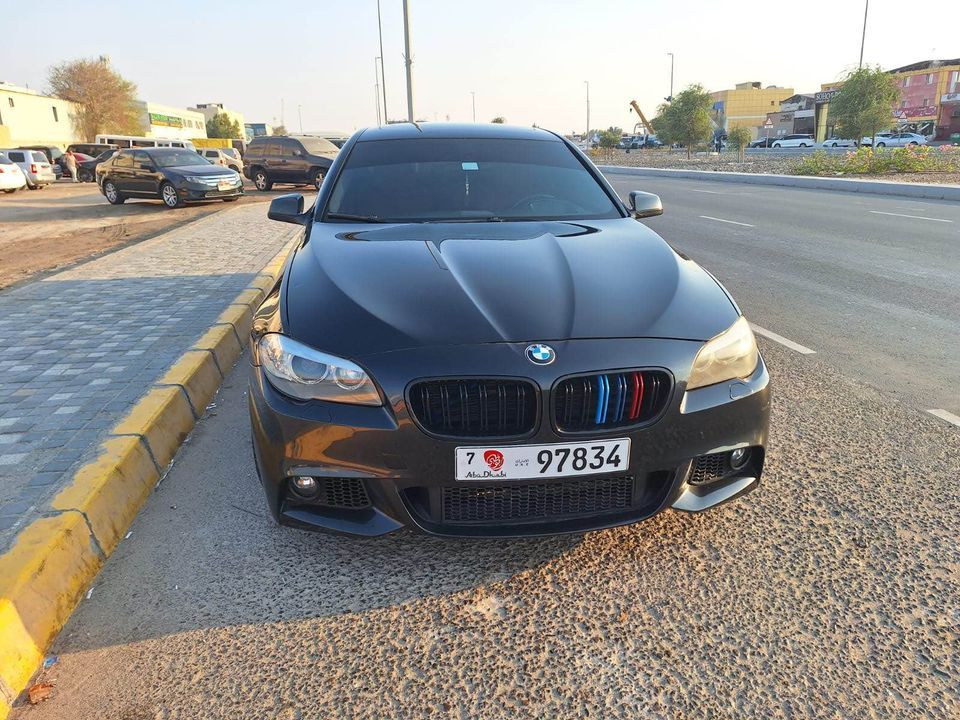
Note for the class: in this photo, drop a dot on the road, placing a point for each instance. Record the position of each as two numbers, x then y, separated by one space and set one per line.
832 591
871 283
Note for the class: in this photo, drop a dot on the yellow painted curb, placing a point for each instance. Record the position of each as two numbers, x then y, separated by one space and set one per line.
53 559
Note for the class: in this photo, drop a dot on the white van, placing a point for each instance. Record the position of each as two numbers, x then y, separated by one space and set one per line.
128 141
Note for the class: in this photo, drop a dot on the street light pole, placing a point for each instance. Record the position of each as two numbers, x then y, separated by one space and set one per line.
383 76
408 58
670 98
587 82
376 87
300 118
863 38
473 99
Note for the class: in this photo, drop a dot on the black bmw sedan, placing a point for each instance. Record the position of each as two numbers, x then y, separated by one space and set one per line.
174 175
476 337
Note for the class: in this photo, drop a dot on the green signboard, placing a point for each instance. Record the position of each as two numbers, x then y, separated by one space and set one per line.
166 120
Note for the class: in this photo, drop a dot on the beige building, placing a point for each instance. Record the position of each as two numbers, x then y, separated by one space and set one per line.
747 105
166 121
211 109
29 118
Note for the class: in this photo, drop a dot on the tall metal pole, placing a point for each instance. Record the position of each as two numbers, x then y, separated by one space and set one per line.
587 82
382 75
300 118
670 98
473 98
376 87
863 38
408 58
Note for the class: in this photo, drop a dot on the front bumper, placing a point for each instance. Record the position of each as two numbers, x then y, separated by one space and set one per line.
406 474
192 194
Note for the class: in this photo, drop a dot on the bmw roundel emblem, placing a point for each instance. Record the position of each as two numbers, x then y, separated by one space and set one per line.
540 354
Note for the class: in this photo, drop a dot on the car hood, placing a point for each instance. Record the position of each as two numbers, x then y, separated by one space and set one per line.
201 170
357 290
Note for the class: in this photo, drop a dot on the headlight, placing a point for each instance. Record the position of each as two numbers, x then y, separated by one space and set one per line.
731 354
307 374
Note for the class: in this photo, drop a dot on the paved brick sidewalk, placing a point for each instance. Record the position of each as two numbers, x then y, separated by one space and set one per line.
83 345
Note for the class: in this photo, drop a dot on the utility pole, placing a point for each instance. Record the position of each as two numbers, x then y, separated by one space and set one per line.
281 113
408 58
376 87
383 76
588 106
863 38
473 98
300 117
670 98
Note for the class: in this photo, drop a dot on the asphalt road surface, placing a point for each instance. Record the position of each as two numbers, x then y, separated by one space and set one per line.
832 591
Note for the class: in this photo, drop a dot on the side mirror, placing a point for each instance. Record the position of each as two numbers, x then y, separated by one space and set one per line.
288 208
645 204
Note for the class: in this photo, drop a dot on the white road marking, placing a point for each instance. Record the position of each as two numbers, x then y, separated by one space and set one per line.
711 192
797 347
945 415
732 222
912 217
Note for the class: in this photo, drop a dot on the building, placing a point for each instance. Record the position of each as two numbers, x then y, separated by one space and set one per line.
209 110
929 101
29 118
795 115
747 105
253 130
164 121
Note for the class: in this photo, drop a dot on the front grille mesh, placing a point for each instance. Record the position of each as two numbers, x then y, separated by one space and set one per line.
610 400
475 407
709 468
536 501
343 493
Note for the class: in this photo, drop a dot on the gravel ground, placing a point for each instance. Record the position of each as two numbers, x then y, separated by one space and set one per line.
764 164
833 591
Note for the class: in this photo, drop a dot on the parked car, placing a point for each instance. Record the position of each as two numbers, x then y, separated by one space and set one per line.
91 149
87 170
11 176
895 139
174 175
479 339
35 167
52 152
796 140
839 142
764 142
298 159
228 157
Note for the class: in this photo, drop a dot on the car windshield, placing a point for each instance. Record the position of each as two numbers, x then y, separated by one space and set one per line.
437 179
178 158
315 145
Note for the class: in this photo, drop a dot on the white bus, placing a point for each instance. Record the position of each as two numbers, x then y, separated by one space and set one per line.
127 141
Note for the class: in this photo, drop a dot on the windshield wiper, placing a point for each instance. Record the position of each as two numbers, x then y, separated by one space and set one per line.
491 218
355 218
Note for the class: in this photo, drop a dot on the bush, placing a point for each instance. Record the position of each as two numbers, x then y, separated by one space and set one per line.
867 161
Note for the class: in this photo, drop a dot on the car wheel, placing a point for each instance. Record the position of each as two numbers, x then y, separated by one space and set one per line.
912 144
33 187
168 193
112 194
317 179
85 176
234 199
776 145
261 180
11 191
236 169
803 145
880 145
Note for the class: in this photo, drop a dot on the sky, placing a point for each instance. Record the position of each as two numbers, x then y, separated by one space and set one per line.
525 60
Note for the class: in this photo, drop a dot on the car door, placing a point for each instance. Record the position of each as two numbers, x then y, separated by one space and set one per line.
121 171
271 159
145 180
292 161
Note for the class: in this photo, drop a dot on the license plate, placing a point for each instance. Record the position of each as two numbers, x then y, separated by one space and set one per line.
520 462
225 185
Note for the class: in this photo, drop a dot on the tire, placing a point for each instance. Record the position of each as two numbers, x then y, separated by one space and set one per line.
112 194
33 187
776 145
235 169
912 144
317 178
11 191
168 193
85 176
261 180
231 199
803 145
880 145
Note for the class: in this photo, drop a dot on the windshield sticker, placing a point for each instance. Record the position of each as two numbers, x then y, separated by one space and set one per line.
469 166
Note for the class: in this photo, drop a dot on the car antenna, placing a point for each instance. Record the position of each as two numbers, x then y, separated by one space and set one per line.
416 125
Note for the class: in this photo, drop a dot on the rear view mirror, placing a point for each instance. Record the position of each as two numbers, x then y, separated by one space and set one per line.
288 208
645 204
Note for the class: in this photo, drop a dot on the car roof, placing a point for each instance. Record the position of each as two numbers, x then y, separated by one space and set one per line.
398 131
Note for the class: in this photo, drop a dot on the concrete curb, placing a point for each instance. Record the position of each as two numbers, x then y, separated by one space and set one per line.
44 575
872 187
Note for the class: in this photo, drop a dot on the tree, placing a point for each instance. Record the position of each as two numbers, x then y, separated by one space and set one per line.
610 137
106 102
865 103
499 120
686 120
739 137
221 126
279 130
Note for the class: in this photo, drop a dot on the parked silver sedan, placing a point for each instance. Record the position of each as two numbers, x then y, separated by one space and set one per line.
895 139
34 165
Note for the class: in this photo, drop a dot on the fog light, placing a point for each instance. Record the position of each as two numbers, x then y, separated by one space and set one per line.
738 457
304 486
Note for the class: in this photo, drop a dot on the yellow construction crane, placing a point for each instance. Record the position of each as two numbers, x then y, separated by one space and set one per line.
647 127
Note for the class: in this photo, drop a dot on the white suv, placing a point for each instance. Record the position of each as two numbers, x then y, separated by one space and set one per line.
227 157
789 141
35 167
895 139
